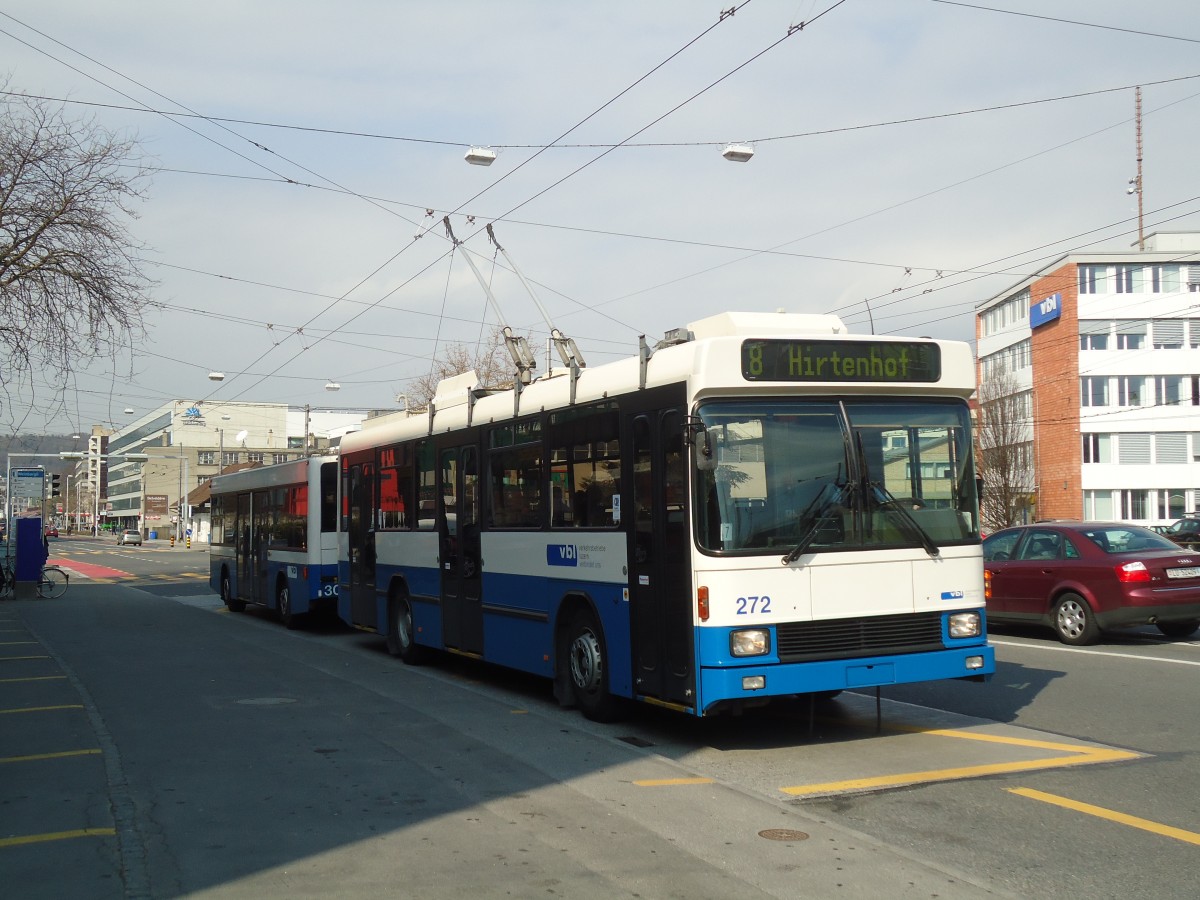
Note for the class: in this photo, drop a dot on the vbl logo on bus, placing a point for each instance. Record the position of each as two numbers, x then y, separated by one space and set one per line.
562 555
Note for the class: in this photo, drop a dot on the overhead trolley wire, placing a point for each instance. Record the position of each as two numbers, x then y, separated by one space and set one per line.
557 144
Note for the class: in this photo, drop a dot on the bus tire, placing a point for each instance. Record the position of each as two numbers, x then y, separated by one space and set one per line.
586 660
401 636
231 603
283 607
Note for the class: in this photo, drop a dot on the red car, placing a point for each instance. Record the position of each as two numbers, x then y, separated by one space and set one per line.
1081 578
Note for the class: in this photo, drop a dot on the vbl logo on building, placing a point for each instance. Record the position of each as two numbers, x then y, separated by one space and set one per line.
1045 310
562 555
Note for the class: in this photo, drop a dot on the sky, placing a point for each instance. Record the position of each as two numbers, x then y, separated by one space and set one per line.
912 158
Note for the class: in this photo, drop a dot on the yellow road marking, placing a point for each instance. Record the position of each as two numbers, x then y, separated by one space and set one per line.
38 757
668 782
1100 812
41 708
1080 756
15 643
14 658
56 836
33 678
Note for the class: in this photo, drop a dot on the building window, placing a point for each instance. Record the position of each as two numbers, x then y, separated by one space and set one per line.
1097 448
1168 334
1164 279
1193 278
1095 390
1091 279
1172 503
1135 505
254 457
279 457
1128 279
1009 312
1170 448
1098 505
1171 390
206 458
230 458
1131 335
1134 449
1093 335
1131 391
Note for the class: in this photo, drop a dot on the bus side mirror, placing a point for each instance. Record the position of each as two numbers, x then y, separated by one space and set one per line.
706 451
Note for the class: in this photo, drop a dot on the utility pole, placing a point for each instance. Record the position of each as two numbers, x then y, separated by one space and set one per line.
1137 115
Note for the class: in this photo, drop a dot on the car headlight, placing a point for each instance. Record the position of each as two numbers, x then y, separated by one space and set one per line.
750 642
965 625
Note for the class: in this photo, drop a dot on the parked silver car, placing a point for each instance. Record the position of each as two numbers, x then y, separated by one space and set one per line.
130 536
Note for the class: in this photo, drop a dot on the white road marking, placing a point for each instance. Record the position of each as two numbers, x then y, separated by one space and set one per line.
1060 649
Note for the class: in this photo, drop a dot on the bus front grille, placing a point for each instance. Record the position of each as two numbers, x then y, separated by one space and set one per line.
866 636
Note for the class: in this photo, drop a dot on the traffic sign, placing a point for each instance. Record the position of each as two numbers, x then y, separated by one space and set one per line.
27 484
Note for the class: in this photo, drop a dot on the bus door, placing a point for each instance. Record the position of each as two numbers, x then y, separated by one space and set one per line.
246 542
458 523
263 535
660 572
361 536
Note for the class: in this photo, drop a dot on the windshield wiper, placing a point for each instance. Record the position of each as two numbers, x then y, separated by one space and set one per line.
910 524
814 516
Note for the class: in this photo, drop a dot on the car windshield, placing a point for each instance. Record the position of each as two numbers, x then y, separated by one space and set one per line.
1127 539
821 475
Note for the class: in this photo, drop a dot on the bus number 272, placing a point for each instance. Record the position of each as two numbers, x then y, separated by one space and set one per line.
749 606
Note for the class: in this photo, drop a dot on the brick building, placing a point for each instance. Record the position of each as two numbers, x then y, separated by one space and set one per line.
1100 353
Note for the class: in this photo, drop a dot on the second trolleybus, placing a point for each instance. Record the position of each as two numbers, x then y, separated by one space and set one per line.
274 537
761 506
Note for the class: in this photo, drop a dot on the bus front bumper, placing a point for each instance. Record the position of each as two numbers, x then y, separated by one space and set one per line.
750 681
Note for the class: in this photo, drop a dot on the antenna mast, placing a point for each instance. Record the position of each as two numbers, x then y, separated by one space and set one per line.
1138 186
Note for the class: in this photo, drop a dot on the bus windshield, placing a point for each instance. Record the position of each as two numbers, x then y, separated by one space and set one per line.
806 476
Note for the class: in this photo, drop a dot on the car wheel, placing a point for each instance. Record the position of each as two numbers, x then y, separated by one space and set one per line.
587 669
232 603
1074 622
1179 629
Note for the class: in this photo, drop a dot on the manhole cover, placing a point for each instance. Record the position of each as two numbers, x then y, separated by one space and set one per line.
266 701
783 834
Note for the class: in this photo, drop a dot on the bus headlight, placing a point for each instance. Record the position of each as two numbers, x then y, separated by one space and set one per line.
750 642
965 625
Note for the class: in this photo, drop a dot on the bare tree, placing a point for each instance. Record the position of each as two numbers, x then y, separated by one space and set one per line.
1006 452
489 359
71 286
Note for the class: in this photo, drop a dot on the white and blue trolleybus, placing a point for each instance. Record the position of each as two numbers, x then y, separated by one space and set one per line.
761 506
274 537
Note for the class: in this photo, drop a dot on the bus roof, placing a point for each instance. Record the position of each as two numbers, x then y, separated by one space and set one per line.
706 355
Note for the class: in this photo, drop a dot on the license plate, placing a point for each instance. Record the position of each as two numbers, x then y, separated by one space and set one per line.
1192 572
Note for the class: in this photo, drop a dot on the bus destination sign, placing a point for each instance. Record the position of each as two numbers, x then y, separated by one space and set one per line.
825 360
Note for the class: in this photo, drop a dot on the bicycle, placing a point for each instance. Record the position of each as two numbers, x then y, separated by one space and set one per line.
52 583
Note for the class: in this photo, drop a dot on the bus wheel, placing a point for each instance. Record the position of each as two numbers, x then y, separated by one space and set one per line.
227 597
587 670
400 636
283 606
